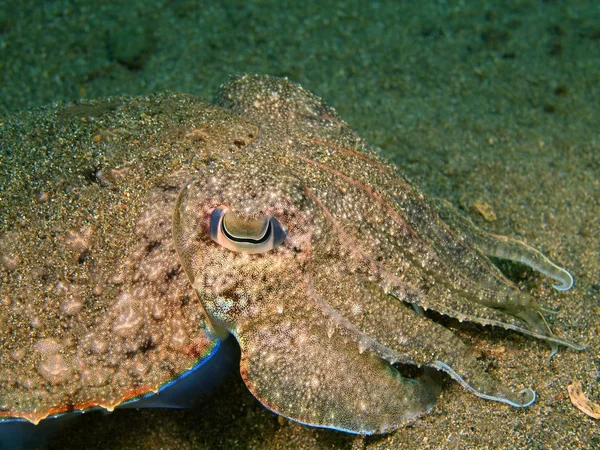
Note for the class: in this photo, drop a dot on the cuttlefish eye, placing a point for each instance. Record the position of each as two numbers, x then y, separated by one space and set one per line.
242 234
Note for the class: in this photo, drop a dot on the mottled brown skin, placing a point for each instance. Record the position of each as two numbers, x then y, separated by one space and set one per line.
96 307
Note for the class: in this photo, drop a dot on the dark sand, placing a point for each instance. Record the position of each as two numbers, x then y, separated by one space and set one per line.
499 104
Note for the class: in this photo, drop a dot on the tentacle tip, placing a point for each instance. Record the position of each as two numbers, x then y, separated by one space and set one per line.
555 342
578 347
566 283
528 397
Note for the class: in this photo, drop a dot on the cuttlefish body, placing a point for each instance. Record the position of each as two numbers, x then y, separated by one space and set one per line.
276 223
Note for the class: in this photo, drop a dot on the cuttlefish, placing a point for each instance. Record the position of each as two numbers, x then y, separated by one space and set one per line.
137 233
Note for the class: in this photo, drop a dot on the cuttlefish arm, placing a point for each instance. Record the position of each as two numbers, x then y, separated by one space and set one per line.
297 367
392 331
504 247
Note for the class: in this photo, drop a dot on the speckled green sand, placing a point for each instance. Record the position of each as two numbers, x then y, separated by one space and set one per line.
497 102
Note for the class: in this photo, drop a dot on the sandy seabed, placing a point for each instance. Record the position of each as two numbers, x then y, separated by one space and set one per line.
475 101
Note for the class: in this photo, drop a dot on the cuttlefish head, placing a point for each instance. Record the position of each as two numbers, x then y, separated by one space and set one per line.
248 240
241 237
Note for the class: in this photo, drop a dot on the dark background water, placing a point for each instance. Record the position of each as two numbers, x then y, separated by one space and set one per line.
478 101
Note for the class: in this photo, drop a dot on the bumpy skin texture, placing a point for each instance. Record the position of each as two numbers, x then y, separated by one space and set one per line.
320 318
97 307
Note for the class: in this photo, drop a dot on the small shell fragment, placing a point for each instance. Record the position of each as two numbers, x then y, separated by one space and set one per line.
583 403
486 211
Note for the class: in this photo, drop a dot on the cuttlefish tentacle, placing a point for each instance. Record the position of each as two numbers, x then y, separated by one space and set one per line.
482 293
383 325
535 325
504 247
397 334
490 244
506 307
512 249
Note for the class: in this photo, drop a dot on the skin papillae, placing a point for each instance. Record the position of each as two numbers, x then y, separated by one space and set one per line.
113 282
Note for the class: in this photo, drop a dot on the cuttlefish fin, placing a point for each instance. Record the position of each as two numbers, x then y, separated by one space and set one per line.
299 365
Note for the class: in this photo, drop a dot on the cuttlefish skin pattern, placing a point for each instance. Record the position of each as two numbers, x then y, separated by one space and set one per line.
263 216
96 309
